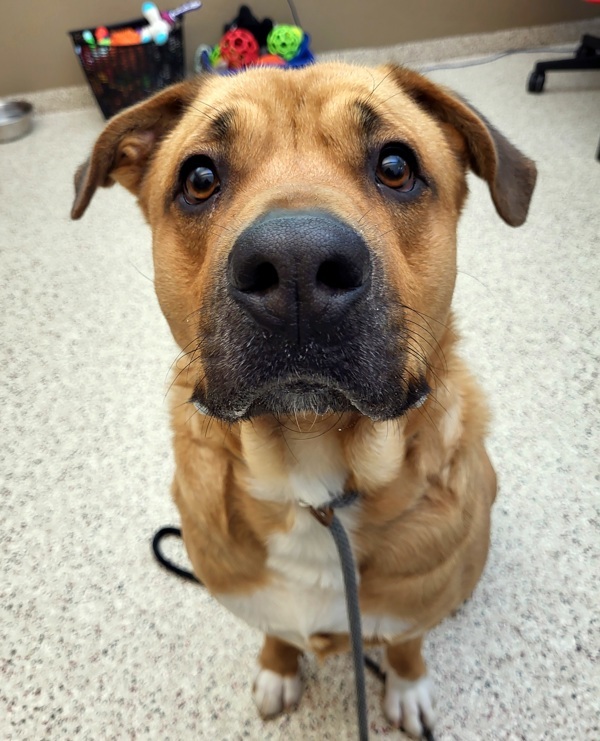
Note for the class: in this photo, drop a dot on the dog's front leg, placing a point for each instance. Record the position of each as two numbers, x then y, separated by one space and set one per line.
278 685
408 701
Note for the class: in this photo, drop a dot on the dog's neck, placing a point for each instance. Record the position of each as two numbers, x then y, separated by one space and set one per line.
312 460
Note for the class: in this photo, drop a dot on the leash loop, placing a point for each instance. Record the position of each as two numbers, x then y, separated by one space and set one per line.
166 532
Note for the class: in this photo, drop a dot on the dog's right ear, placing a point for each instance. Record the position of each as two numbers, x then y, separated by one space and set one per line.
123 149
509 174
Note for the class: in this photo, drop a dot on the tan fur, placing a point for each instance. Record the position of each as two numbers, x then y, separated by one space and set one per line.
426 482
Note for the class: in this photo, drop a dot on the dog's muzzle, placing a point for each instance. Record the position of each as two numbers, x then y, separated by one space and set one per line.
303 322
298 273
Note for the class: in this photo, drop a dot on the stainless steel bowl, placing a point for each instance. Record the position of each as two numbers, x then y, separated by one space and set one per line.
16 119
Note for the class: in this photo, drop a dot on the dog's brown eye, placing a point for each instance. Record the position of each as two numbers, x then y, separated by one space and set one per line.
200 183
394 171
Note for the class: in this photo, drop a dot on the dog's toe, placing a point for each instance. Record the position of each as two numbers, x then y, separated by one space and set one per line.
409 704
274 693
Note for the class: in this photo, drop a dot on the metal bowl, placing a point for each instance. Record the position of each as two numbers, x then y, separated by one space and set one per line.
16 119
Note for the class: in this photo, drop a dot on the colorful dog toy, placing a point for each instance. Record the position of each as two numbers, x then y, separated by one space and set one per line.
102 36
125 37
170 16
158 29
239 48
271 60
215 56
248 41
285 41
89 39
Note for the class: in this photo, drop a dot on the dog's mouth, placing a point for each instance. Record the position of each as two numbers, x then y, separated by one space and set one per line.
300 396
289 396
316 396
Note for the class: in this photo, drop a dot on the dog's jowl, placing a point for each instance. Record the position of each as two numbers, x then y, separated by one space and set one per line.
304 240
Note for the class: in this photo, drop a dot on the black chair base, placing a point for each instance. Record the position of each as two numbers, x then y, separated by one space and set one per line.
587 56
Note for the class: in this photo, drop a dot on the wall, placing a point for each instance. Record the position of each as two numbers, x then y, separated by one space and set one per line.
36 53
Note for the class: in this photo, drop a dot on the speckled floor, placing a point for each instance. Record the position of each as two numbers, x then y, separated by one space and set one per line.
97 642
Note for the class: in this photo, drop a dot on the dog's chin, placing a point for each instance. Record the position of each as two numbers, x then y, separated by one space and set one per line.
307 397
301 397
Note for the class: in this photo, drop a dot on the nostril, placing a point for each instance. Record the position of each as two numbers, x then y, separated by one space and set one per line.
258 278
339 275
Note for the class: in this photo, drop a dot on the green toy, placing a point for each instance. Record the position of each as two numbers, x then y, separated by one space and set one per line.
215 55
285 41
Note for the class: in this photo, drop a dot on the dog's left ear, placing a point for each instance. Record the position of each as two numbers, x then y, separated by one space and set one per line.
123 149
509 174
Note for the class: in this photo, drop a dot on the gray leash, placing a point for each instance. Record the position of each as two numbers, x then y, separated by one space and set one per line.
327 517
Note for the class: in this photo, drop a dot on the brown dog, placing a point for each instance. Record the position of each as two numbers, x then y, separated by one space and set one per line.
304 232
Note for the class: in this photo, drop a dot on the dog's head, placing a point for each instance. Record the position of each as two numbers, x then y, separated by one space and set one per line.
304 228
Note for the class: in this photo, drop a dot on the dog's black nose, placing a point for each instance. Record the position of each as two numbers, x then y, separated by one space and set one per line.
298 272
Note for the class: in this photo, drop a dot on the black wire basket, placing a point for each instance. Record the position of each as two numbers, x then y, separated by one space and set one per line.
120 76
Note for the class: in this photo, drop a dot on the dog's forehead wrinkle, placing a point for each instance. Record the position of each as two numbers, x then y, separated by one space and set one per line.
287 97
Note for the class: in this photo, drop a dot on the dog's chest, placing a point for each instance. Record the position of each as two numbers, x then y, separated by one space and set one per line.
306 593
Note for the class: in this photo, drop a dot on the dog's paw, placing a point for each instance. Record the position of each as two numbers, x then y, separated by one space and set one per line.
274 693
409 705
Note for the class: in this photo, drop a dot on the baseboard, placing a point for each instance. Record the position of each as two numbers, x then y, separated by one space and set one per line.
417 53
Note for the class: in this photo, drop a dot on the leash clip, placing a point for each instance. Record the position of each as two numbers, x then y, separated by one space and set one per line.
324 515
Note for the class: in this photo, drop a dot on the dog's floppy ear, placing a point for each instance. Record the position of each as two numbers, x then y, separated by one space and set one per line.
509 174
122 150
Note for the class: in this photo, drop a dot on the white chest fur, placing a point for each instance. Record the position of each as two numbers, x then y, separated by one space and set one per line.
306 593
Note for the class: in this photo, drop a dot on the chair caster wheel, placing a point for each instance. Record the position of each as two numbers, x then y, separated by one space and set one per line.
535 84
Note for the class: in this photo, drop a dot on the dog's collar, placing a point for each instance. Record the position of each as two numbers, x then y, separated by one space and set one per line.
325 513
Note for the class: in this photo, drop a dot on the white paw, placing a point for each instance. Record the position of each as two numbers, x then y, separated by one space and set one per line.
409 705
273 692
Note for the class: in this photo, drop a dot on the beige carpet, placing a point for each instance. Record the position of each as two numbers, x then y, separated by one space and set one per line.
97 642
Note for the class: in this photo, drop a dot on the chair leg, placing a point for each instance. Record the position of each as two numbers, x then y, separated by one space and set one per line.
558 65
